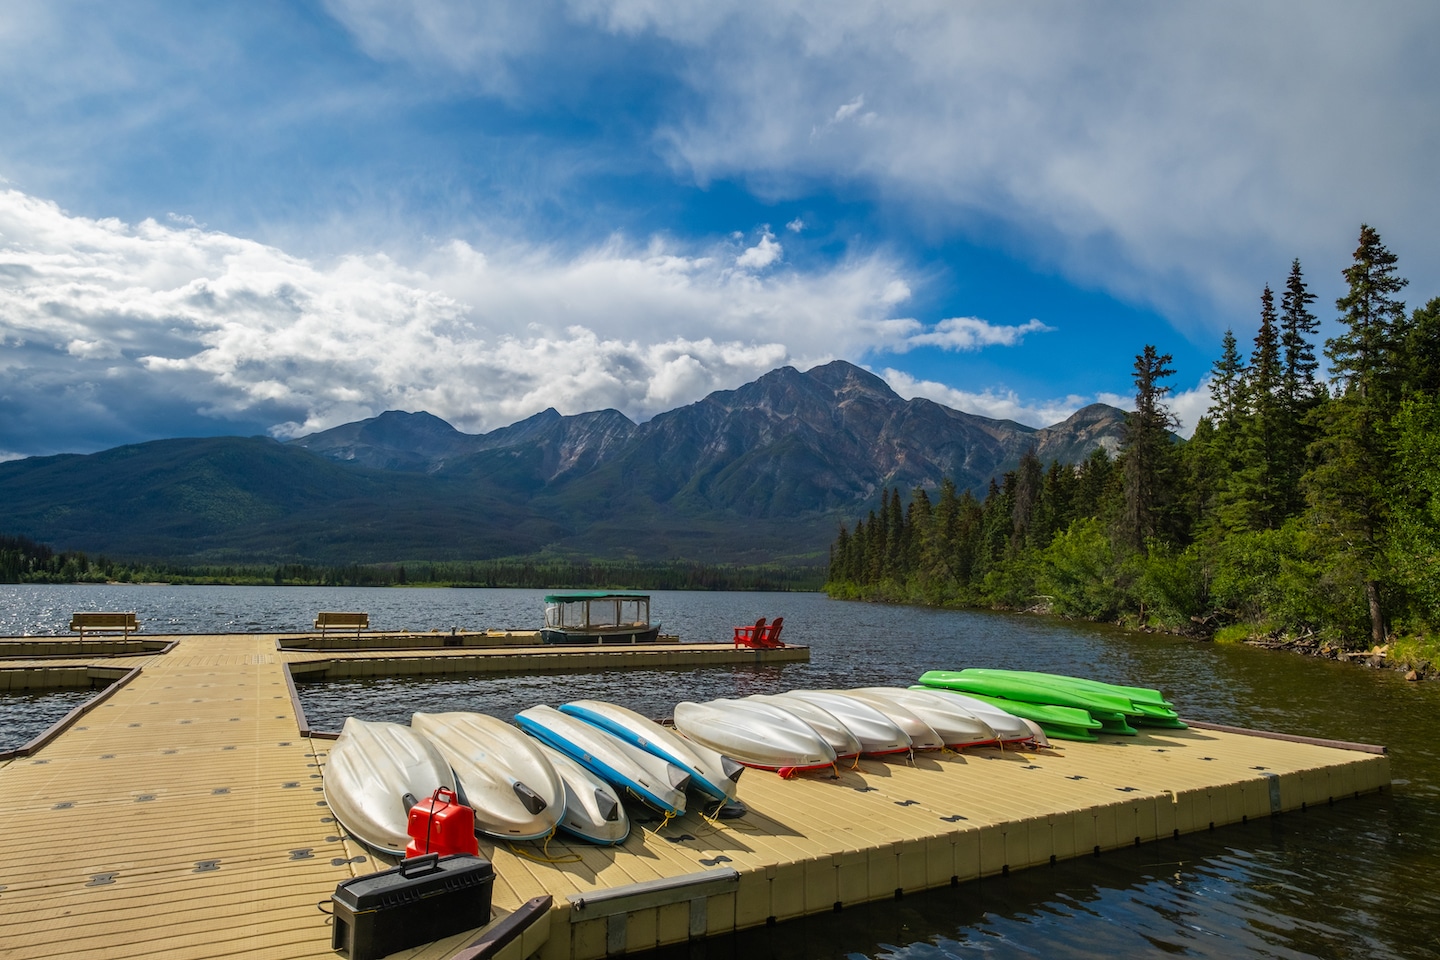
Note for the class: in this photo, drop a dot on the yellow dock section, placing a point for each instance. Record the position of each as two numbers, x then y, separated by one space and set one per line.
183 817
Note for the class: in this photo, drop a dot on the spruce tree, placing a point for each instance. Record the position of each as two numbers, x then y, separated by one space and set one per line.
1347 487
1254 500
1149 461
1365 358
1227 384
1300 391
1422 351
1029 484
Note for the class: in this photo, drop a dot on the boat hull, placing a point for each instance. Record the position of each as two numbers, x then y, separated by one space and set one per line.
655 781
515 792
755 734
370 771
877 734
628 635
709 772
593 811
958 728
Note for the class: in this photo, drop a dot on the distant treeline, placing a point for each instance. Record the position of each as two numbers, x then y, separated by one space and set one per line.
24 561
1300 509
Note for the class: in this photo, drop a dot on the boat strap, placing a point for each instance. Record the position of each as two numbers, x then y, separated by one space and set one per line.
544 856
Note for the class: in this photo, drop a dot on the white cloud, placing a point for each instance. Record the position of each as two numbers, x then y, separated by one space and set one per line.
999 405
1190 405
132 320
970 333
796 225
763 254
1176 155
849 110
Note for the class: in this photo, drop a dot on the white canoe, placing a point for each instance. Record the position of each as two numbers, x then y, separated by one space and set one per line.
514 791
823 722
373 769
592 809
877 733
957 727
628 768
1008 727
922 735
756 734
710 771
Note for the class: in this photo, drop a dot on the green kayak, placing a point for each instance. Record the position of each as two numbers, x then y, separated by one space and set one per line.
1137 695
1061 723
1100 699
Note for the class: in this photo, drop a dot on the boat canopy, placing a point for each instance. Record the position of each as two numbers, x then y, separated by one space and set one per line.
596 610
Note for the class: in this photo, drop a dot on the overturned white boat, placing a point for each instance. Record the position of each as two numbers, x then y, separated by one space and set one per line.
1009 728
593 810
841 740
957 727
504 777
878 734
710 771
374 773
922 735
652 779
756 734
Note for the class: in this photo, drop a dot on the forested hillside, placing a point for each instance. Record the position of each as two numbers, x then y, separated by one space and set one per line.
1302 509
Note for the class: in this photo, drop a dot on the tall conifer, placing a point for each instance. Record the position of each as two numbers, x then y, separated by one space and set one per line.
1347 487
1148 454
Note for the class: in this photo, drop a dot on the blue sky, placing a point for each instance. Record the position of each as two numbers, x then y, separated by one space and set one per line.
278 217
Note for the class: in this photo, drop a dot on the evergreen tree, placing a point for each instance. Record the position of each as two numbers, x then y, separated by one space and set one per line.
1347 488
1096 485
1299 388
1029 484
1300 392
1365 358
1149 462
1253 499
1227 384
1422 351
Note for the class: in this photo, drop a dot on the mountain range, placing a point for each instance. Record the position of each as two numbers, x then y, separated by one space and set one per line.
762 473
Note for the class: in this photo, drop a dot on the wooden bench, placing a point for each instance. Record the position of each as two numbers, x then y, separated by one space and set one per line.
330 620
88 621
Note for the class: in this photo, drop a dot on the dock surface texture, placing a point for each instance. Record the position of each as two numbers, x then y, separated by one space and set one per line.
183 817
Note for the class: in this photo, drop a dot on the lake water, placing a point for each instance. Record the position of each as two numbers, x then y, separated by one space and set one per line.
1360 879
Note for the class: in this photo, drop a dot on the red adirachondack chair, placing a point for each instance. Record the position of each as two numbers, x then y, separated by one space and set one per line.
760 635
750 636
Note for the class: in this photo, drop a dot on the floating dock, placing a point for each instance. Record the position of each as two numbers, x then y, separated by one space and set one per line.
181 814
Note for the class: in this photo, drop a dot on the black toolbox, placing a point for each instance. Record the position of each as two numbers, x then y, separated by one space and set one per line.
424 899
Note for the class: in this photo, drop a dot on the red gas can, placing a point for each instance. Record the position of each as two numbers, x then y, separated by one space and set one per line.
441 824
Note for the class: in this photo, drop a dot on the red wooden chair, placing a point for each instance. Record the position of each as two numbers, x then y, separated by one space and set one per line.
771 634
750 636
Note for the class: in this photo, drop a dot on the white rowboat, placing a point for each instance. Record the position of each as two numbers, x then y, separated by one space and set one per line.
515 792
374 773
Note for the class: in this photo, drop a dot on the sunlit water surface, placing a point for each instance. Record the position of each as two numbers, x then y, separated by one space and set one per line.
1360 879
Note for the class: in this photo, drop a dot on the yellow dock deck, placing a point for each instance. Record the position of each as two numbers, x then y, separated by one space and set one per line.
183 817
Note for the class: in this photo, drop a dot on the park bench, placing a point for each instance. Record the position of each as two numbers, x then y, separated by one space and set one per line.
331 620
90 621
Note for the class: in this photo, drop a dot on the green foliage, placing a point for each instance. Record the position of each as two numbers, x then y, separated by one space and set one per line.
1290 512
22 561
1079 573
1172 585
1414 507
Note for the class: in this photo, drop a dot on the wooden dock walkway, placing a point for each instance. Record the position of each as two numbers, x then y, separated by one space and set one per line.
183 817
